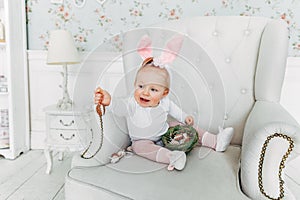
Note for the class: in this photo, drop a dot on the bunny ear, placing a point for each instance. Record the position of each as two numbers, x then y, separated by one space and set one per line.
144 47
171 49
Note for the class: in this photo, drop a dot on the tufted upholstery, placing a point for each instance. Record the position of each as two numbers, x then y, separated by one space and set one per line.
230 45
229 72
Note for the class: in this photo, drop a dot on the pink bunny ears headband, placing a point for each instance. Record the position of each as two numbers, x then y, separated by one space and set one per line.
167 56
159 74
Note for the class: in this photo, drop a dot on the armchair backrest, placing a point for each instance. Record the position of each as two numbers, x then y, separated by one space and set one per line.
226 64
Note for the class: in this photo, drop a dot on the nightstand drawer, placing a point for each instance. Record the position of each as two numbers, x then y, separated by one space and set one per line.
66 122
65 137
66 130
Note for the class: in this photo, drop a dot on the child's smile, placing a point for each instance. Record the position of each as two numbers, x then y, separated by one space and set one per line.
144 100
149 95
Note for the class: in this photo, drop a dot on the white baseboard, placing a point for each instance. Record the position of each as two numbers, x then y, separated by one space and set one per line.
37 139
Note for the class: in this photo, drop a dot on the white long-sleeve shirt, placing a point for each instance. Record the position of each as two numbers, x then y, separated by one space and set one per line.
147 123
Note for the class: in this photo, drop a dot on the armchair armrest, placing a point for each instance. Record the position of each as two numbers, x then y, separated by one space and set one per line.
263 150
115 137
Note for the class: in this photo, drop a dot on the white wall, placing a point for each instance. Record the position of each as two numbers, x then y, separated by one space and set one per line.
290 97
44 90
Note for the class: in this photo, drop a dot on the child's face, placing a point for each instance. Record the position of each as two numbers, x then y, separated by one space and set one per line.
149 95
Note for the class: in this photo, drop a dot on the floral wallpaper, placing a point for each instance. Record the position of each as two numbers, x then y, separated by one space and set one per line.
97 22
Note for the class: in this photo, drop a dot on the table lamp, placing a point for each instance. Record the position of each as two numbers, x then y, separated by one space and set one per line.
62 51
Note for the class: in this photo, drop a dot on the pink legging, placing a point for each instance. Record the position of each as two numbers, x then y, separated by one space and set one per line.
148 149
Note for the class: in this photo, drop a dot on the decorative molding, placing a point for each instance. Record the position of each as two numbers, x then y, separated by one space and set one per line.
293 62
93 56
40 56
109 56
290 96
42 76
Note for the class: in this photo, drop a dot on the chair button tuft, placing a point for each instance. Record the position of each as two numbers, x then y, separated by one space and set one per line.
247 32
226 117
215 33
243 91
228 60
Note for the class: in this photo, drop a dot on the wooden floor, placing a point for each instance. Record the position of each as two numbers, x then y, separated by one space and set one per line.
25 177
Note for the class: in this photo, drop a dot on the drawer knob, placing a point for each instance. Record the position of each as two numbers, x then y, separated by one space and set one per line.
69 124
65 138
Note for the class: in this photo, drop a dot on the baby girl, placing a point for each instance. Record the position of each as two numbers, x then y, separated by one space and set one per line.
146 113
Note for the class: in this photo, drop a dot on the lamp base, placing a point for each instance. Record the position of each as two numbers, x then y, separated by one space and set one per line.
64 104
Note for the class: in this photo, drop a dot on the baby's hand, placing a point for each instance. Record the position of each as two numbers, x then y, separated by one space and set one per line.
189 120
102 97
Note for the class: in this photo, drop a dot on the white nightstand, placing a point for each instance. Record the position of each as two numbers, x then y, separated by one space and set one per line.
66 130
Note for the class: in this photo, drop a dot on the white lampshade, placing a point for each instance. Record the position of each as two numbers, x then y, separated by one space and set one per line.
62 51
62 48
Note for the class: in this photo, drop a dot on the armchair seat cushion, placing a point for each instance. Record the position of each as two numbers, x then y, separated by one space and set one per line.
212 177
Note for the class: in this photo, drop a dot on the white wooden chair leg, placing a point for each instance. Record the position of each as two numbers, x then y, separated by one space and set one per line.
48 155
60 156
